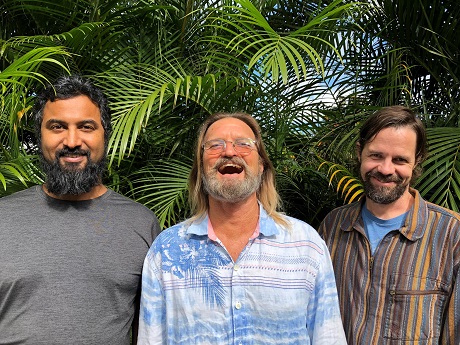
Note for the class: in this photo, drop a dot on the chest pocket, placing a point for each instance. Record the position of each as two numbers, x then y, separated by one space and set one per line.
415 308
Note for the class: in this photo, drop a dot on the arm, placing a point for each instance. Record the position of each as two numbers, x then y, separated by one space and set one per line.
135 325
152 312
325 324
451 323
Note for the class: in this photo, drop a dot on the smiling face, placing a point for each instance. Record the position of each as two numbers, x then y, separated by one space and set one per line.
74 126
387 163
229 176
72 146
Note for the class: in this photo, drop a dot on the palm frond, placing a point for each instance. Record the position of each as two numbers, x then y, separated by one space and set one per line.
349 187
440 180
141 92
274 54
162 186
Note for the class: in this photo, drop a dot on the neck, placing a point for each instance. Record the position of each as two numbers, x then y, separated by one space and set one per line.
392 210
95 192
234 219
234 223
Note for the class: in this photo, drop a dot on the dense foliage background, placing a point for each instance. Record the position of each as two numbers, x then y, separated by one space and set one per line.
309 71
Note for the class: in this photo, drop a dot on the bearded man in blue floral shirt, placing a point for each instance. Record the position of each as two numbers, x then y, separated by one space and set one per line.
238 271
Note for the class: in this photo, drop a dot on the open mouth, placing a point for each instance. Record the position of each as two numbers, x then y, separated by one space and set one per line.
230 168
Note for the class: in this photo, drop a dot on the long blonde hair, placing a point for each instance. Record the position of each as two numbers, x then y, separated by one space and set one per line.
266 194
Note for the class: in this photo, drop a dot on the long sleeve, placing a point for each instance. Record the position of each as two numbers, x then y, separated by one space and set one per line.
324 322
152 314
451 324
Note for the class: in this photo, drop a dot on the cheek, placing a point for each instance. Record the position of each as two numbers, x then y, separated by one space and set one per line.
261 168
208 164
407 173
48 148
366 167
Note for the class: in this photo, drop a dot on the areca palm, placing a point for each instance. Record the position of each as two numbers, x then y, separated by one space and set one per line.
167 65
18 170
406 55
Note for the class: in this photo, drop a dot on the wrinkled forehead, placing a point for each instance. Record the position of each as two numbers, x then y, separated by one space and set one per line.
228 129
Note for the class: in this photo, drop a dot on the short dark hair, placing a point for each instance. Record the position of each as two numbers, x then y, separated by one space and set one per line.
395 116
66 87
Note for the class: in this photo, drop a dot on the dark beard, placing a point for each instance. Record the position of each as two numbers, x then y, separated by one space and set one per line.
68 180
383 195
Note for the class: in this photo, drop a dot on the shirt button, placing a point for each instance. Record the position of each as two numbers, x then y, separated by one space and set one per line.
238 305
236 267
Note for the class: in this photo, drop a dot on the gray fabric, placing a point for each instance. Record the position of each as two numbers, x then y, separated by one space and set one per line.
70 271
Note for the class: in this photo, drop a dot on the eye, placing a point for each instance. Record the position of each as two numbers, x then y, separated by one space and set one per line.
214 145
56 127
88 127
244 143
400 160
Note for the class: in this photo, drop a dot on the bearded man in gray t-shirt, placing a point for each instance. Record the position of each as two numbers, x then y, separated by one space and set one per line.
71 251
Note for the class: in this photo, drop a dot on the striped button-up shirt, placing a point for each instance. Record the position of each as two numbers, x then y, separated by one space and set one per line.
408 292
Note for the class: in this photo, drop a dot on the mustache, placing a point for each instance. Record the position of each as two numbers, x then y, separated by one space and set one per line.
234 160
384 178
72 152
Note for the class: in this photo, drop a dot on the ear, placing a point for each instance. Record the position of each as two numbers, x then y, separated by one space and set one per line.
417 162
261 167
358 151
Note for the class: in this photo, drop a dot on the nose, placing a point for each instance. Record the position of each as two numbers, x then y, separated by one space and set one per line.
229 150
386 167
72 139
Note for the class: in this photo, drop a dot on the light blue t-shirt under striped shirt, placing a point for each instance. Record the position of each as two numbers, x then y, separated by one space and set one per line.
377 229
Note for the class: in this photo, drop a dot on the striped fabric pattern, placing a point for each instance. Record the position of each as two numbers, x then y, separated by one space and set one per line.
409 291
281 290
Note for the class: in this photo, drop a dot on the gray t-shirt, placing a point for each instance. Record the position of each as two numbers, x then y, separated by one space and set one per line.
70 271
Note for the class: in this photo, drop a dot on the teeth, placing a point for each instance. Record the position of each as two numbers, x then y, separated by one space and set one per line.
230 168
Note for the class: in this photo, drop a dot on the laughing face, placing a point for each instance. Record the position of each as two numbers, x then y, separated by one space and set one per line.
229 176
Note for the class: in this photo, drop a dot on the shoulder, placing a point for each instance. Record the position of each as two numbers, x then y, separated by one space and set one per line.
424 210
297 233
349 211
346 209
175 243
173 235
442 211
127 205
29 196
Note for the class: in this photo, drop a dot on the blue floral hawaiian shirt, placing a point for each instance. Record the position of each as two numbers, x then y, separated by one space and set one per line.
281 289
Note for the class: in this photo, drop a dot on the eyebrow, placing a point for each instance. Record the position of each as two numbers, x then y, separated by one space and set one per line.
83 122
407 158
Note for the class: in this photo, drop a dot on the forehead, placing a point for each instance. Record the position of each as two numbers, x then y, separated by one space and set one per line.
229 128
394 139
77 108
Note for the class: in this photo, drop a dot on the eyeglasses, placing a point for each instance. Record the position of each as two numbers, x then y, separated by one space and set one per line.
243 146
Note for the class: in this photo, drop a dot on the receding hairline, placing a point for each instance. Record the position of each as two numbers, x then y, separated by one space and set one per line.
229 118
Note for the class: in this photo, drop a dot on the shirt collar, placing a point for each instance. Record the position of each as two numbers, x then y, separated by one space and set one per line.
414 225
266 225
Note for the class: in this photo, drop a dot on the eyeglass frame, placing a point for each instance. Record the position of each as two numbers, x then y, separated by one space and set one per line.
224 147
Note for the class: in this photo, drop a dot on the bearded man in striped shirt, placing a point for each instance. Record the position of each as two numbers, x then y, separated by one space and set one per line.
396 256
